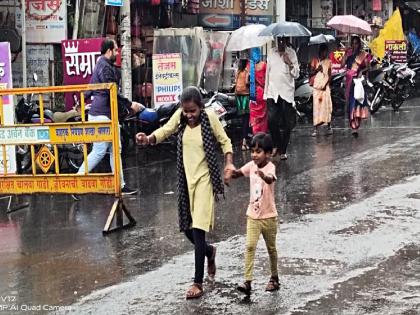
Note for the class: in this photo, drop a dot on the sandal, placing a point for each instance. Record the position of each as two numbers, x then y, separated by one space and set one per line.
245 287
195 291
211 264
273 284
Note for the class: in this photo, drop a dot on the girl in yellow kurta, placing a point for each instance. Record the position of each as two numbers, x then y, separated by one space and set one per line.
198 175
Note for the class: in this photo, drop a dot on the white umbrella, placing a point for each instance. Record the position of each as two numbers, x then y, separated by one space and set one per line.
246 37
321 39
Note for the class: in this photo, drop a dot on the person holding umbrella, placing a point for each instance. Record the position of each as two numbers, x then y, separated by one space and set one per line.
282 70
355 60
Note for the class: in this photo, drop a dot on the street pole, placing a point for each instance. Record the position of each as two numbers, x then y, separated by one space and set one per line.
125 30
76 20
24 70
243 12
280 10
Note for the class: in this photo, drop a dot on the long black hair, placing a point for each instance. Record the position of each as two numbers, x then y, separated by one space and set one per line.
192 94
323 48
242 64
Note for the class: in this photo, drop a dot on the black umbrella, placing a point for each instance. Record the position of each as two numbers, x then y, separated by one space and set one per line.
286 29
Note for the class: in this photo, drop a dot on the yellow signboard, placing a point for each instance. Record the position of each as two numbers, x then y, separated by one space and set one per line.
66 184
52 134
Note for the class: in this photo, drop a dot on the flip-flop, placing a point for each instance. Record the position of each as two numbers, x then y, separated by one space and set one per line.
244 288
190 293
273 285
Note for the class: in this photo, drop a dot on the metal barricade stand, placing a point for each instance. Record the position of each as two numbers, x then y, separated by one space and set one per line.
44 139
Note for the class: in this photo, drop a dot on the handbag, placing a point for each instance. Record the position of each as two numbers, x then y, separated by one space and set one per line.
359 91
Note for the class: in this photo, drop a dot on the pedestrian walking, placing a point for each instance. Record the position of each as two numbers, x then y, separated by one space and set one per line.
100 110
199 180
322 103
355 60
257 105
261 212
242 99
282 70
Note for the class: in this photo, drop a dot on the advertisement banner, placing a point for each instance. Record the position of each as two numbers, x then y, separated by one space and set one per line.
167 78
46 21
336 57
227 14
397 49
8 108
38 60
79 60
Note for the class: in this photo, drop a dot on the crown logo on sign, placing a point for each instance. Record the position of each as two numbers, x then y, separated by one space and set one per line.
71 48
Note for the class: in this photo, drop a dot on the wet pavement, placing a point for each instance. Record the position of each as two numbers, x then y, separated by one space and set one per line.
349 244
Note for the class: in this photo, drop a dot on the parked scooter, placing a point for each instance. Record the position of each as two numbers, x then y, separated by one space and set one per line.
27 112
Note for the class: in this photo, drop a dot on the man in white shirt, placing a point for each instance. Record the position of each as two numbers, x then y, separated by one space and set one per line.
282 70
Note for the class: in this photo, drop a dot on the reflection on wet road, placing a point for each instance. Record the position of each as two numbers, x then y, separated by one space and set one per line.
349 244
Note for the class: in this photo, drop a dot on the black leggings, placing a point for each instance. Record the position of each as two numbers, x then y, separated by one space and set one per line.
202 250
281 121
245 126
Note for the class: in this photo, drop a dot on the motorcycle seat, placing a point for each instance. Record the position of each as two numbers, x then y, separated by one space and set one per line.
302 82
37 120
166 110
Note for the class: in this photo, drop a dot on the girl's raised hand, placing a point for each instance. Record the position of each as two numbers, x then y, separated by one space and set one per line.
142 139
228 173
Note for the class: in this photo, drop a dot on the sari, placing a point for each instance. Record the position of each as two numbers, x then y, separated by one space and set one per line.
322 103
357 111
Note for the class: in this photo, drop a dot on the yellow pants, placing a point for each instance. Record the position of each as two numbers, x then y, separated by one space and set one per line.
268 228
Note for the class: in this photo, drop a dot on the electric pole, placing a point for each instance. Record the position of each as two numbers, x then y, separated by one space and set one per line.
125 31
243 12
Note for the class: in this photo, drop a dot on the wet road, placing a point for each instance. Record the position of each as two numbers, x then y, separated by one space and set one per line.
349 244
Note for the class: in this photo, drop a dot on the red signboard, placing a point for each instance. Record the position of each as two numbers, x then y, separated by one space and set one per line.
336 57
397 49
79 59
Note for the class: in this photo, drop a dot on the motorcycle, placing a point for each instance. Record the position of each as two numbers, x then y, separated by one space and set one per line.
392 85
303 101
414 64
70 155
146 121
